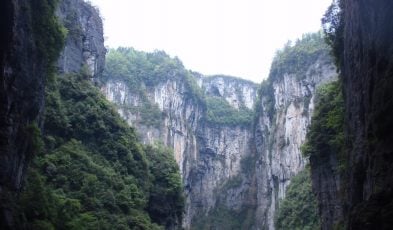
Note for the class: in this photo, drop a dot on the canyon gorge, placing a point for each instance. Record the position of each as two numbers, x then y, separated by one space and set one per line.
125 139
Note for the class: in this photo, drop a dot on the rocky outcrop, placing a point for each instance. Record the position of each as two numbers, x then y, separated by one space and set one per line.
368 84
364 49
230 170
26 56
208 155
30 44
285 109
84 49
238 93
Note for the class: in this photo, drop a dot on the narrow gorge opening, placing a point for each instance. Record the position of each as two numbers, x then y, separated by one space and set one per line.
117 137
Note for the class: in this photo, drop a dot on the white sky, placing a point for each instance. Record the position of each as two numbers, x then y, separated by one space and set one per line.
232 37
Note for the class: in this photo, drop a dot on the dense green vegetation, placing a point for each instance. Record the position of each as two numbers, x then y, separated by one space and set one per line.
298 211
222 217
49 34
293 59
333 28
138 67
142 71
90 171
325 140
298 57
219 111
326 134
166 201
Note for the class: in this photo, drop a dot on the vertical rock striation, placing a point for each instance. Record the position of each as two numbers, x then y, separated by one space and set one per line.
285 110
234 173
27 52
84 49
364 49
368 83
31 41
207 154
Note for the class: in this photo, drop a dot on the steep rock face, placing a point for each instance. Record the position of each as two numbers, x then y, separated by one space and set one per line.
85 41
208 155
362 42
367 70
216 178
26 55
234 172
179 116
236 92
285 112
327 185
30 43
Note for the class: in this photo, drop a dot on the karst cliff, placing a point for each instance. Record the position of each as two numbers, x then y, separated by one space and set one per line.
237 143
92 138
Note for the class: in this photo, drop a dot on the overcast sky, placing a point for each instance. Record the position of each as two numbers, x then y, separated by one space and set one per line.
232 37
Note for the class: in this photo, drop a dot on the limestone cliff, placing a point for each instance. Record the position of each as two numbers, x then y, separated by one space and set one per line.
234 171
208 154
285 109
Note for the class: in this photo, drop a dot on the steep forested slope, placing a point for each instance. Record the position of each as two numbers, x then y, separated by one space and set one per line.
298 211
325 148
91 172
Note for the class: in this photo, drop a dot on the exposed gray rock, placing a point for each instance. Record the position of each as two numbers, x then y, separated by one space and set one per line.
85 40
280 133
236 92
208 155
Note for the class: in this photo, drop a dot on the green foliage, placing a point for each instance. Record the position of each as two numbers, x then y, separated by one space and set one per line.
296 59
34 133
150 113
138 68
166 201
142 71
72 25
219 111
221 217
194 92
326 134
333 27
49 34
298 211
93 173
